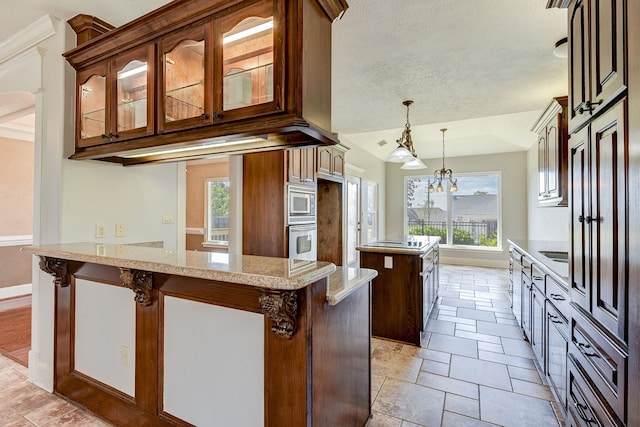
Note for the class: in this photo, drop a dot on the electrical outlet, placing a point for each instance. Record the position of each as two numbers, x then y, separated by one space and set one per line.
101 231
121 230
124 355
167 218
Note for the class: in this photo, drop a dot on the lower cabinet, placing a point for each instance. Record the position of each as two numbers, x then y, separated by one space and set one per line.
537 337
556 353
585 407
525 300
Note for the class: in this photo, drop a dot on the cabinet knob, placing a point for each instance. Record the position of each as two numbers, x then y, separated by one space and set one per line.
586 219
103 136
204 116
217 115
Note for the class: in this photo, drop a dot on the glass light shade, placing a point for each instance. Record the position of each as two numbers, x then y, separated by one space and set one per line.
400 155
431 189
416 163
439 188
454 187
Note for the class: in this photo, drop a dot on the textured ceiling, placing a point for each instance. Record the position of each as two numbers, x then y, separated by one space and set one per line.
457 59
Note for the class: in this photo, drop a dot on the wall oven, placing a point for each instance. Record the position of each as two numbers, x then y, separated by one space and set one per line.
303 242
301 205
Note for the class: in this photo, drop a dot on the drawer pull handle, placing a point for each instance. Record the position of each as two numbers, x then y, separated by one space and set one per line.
582 414
557 297
537 278
554 319
584 350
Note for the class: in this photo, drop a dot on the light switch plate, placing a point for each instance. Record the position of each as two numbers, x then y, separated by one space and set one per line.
388 262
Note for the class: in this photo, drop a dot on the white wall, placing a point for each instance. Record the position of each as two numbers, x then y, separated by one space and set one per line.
71 196
513 167
545 223
98 192
370 169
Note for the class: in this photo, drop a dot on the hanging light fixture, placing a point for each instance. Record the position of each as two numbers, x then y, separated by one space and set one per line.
405 152
443 173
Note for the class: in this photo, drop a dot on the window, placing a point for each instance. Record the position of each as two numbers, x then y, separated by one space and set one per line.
469 217
217 208
372 211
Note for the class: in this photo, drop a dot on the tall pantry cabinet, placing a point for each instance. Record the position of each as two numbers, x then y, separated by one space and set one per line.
604 203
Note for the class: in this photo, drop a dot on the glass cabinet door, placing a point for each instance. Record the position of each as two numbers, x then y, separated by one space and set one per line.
186 97
248 52
134 94
92 101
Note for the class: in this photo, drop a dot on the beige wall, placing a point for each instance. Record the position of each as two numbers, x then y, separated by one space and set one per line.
513 167
197 173
16 187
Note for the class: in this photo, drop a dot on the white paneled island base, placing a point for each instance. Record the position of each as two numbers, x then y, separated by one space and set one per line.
148 336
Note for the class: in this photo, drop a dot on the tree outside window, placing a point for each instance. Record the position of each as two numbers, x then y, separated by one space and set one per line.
218 210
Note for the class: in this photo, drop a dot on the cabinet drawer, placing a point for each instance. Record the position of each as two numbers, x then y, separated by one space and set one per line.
537 278
558 295
603 360
585 408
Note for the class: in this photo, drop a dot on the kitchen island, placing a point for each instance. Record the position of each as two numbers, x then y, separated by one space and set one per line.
149 336
406 288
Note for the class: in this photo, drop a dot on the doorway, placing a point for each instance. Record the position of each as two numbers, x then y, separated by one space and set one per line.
354 215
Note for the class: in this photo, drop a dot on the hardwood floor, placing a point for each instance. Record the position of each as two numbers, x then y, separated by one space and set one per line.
15 328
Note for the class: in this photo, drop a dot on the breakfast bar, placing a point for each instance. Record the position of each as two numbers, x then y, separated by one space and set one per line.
150 336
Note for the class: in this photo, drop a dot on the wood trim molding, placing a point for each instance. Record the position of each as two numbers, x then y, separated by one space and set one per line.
57 268
282 308
140 282
88 27
333 8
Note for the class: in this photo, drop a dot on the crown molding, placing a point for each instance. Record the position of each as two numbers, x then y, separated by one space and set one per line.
27 38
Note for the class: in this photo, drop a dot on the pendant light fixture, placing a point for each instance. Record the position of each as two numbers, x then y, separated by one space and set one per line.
405 152
443 173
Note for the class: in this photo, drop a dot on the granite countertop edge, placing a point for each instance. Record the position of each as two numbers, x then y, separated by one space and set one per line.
305 277
559 272
433 241
345 281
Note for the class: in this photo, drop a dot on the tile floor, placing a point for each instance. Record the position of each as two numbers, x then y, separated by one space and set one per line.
473 369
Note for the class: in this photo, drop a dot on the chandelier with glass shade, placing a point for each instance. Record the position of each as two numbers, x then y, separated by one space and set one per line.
405 153
443 173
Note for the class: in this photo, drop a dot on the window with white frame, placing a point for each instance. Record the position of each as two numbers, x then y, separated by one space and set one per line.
217 210
469 217
372 211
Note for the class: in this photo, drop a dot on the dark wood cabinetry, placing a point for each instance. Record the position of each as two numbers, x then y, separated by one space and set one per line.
403 293
602 207
331 162
207 76
597 55
302 165
553 137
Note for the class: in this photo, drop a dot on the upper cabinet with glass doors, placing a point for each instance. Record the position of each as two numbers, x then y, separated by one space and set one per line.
115 99
199 75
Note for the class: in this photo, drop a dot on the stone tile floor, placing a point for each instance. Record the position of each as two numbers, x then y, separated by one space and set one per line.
472 369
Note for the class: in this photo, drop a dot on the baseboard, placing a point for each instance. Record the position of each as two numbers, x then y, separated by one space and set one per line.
15 291
40 373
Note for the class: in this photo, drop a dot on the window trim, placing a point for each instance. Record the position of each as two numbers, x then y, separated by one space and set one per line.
497 248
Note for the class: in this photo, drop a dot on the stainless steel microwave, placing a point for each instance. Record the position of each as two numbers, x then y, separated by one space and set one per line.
301 204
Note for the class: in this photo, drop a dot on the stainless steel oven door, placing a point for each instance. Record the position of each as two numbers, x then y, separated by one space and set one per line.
303 242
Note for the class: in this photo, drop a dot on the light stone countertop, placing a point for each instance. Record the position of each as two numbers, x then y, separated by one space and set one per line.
347 280
424 244
263 272
532 248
